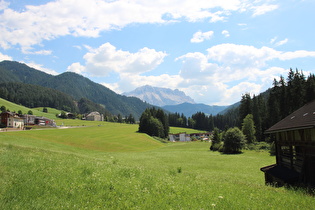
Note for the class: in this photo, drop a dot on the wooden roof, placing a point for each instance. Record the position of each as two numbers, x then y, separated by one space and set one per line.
302 118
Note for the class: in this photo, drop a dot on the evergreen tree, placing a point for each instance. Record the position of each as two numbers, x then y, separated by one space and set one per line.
3 108
248 129
245 106
154 122
310 88
216 140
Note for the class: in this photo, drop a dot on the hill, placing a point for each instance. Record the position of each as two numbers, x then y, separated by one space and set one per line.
74 85
189 109
36 111
160 96
37 96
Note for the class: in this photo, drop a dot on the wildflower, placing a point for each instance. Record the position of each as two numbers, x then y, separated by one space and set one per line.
213 205
220 197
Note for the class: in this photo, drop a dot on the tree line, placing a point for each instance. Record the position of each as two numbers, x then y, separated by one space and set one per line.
266 109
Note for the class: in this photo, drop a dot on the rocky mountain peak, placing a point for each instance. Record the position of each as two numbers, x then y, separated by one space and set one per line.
160 96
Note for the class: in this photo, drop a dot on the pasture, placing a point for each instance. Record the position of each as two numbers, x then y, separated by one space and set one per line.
111 166
36 111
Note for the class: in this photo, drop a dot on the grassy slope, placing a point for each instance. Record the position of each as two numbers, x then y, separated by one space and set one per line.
14 107
83 168
187 130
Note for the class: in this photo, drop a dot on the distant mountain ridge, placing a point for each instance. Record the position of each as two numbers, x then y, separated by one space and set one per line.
160 96
74 85
189 109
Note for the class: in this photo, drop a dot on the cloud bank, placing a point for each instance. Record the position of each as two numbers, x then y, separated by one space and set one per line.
224 72
49 21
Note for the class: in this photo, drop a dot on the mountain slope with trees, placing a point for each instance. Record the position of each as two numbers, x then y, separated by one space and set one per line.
266 109
36 96
74 85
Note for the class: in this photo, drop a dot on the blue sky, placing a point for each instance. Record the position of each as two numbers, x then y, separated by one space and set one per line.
213 50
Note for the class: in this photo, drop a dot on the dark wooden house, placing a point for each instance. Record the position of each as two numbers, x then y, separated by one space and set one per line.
295 149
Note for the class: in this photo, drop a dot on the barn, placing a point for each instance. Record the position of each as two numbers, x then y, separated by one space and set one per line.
295 149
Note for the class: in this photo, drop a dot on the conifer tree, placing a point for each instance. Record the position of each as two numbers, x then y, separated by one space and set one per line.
248 129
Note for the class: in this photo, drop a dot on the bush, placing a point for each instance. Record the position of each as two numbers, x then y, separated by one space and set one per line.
258 146
216 146
234 141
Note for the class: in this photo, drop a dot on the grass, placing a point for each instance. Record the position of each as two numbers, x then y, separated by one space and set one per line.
81 168
187 130
36 111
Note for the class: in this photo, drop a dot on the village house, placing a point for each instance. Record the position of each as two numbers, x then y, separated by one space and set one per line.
44 121
12 120
94 116
295 149
188 137
29 119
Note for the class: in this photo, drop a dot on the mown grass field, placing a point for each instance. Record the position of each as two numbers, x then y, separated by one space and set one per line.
111 166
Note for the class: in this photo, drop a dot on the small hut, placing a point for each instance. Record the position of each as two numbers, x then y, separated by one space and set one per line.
295 149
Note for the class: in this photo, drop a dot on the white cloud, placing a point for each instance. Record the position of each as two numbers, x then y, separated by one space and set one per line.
106 58
201 36
296 54
58 18
229 70
278 43
226 33
282 42
76 68
5 57
41 68
4 4
40 52
272 41
262 9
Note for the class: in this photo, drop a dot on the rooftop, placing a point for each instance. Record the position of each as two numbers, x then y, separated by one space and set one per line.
302 118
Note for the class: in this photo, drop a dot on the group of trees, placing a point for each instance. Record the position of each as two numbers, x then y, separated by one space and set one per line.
234 138
36 96
248 121
286 96
266 109
154 122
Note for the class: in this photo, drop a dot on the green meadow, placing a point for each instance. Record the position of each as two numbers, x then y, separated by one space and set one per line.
36 111
111 166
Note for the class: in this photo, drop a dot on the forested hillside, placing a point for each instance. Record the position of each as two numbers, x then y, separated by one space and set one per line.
36 96
75 86
12 71
286 96
267 108
80 87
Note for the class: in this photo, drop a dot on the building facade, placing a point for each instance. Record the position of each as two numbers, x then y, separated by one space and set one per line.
12 120
295 149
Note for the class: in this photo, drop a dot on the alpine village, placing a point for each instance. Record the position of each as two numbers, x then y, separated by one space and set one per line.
268 139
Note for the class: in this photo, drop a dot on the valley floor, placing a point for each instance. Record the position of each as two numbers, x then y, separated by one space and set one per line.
114 167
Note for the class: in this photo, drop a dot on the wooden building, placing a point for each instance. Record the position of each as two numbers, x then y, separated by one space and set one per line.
295 149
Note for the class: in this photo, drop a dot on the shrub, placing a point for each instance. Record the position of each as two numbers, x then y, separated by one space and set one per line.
234 140
258 146
216 146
